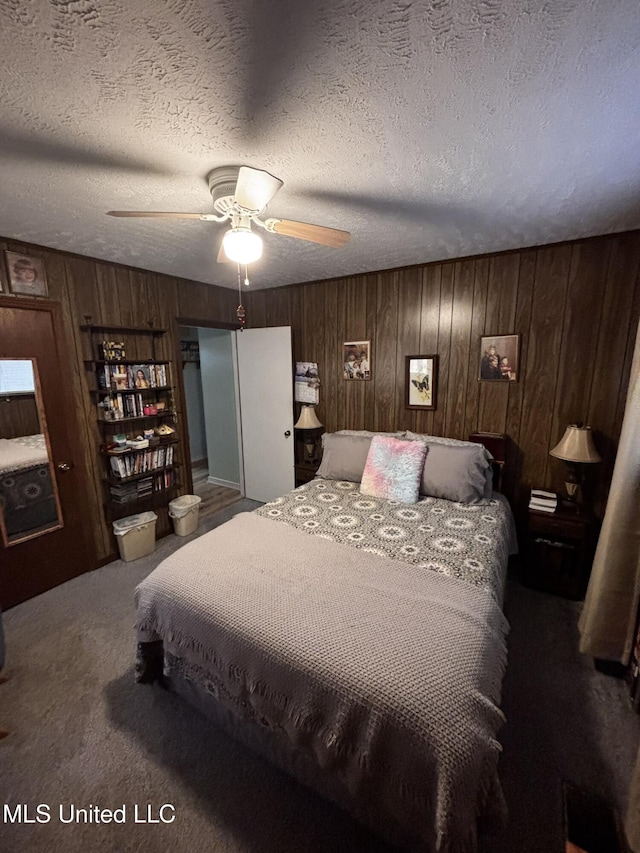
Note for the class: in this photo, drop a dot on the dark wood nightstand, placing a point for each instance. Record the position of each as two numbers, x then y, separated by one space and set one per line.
308 451
305 471
560 550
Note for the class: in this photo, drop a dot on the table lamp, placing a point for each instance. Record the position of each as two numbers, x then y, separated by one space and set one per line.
308 420
576 448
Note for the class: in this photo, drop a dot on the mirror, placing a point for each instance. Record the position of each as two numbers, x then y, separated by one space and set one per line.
29 502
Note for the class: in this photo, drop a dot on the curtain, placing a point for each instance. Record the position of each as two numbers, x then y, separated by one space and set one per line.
608 623
609 616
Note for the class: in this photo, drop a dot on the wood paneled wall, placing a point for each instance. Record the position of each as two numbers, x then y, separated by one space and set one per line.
19 416
113 294
574 305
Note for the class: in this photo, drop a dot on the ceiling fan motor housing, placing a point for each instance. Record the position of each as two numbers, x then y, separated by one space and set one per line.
222 186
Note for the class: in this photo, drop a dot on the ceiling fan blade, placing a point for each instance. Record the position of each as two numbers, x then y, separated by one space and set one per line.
313 233
141 213
255 188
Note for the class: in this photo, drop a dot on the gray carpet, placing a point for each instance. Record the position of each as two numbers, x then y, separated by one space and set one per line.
83 733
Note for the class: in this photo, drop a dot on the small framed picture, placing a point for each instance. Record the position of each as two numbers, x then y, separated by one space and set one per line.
421 381
356 358
140 376
26 275
498 358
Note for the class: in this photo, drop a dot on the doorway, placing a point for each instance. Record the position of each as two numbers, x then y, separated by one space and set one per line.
246 380
208 375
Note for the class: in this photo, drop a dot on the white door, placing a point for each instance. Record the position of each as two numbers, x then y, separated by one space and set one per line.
265 384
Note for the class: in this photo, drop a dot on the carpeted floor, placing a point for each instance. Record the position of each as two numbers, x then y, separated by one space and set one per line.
84 734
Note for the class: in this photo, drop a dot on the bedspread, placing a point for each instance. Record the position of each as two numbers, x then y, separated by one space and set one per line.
389 674
27 498
471 542
22 452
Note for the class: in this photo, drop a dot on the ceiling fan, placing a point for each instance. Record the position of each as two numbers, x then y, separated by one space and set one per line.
240 196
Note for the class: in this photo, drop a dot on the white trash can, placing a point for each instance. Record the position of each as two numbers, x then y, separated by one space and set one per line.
136 535
185 511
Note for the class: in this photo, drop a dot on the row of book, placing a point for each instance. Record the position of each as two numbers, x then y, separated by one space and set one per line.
543 501
122 377
141 461
124 406
142 488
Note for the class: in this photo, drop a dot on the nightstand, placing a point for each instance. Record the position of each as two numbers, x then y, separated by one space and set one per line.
560 550
308 450
305 471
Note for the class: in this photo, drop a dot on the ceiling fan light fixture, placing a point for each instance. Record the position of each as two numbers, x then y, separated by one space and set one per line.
242 245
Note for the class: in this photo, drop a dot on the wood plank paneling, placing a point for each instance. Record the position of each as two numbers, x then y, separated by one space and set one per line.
610 370
522 324
384 351
408 339
564 301
115 295
445 316
459 347
541 369
19 416
574 305
477 323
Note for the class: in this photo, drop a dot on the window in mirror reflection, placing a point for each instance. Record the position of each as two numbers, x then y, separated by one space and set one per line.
29 504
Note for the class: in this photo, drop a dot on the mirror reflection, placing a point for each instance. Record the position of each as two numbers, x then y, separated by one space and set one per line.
29 504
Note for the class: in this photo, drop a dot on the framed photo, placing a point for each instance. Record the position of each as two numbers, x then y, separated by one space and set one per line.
26 275
498 358
356 359
421 381
140 376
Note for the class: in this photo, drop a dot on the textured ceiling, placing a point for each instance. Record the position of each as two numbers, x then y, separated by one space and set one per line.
429 130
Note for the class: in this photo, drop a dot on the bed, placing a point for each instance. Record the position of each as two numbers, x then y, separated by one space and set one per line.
355 640
27 496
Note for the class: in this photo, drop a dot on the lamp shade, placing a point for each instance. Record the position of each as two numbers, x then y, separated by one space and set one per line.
308 419
576 445
242 245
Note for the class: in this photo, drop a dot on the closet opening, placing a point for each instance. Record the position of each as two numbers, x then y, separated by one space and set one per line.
213 454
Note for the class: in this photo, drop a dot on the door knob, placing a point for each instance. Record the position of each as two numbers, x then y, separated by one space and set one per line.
287 433
65 466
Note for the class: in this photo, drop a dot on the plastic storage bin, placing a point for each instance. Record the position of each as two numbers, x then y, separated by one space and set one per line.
136 535
185 511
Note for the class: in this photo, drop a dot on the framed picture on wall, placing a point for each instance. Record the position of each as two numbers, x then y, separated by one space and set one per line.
498 358
356 359
421 381
26 275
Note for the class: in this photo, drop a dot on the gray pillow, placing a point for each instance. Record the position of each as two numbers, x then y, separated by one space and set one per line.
343 456
481 452
455 472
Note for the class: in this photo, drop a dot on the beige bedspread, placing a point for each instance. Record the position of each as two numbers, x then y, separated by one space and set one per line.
17 454
388 673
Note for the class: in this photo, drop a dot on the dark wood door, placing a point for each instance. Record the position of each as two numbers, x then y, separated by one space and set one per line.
33 330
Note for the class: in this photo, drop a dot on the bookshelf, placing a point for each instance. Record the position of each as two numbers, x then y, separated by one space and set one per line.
132 391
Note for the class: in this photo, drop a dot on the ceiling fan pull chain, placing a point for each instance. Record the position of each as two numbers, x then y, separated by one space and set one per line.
240 312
